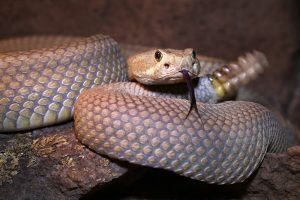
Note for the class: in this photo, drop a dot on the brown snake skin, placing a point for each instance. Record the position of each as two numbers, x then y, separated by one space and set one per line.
38 88
226 148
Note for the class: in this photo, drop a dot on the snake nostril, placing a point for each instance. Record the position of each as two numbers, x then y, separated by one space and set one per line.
166 65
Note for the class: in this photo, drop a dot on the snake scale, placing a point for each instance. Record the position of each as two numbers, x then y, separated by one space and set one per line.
146 125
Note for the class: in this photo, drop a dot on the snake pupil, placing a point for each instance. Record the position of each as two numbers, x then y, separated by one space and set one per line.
158 55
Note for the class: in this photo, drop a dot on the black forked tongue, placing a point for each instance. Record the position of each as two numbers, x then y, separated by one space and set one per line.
190 86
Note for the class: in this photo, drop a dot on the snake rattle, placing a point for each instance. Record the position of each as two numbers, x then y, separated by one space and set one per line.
143 124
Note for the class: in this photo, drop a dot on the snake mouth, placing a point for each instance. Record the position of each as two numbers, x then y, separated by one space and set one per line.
170 78
175 76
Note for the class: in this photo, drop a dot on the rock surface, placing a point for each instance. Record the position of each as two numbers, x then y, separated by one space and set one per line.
51 164
278 177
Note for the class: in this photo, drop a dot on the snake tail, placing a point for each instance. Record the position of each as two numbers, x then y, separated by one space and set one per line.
231 76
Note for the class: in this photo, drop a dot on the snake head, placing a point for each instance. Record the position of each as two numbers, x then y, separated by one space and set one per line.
162 66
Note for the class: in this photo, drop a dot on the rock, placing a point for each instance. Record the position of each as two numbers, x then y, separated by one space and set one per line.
278 177
51 163
294 103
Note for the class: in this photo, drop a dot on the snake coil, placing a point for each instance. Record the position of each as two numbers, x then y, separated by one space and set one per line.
124 120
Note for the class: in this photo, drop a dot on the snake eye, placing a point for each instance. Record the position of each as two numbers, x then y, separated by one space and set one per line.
194 54
158 55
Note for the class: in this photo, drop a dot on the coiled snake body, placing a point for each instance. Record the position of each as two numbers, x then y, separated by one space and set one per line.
146 125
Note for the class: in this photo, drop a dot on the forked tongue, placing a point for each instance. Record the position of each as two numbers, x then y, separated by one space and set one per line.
190 86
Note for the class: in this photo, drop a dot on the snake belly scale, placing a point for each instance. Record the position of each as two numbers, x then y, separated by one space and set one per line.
125 121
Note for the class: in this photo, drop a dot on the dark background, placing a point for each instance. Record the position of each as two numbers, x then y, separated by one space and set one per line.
216 27
220 28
